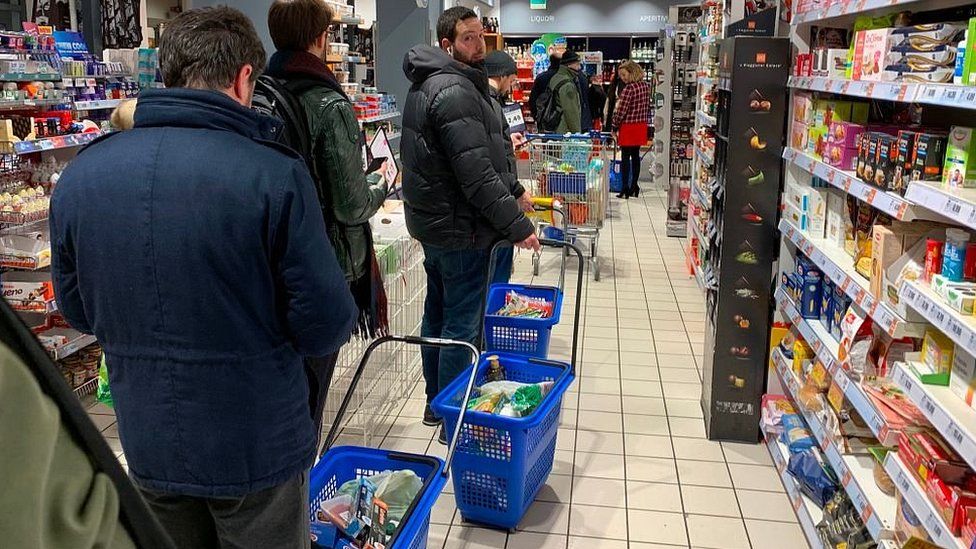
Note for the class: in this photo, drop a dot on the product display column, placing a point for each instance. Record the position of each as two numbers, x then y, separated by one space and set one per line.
751 108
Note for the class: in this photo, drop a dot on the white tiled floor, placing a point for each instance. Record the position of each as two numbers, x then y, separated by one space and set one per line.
633 468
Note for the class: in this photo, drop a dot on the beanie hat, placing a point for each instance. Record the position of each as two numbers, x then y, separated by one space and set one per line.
569 58
499 63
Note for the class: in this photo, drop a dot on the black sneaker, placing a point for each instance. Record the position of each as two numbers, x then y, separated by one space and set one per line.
442 438
430 418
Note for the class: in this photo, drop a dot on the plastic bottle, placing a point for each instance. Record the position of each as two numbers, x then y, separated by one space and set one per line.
960 59
954 254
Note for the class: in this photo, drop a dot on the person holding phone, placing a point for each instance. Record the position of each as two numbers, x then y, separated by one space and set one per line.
351 195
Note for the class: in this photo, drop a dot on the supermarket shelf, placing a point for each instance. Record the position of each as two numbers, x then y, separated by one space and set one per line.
946 95
348 20
699 195
706 81
710 39
31 104
24 77
890 203
705 119
848 7
357 59
958 327
54 143
380 117
826 349
808 514
856 472
97 105
87 387
73 346
698 232
948 413
837 265
394 136
958 205
914 494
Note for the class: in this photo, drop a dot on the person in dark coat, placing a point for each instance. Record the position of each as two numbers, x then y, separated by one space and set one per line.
541 84
457 187
193 247
598 101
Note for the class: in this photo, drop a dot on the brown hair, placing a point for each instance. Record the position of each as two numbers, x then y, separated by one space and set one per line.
635 73
296 24
206 48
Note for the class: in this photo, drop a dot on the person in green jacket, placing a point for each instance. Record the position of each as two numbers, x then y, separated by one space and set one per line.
567 96
300 32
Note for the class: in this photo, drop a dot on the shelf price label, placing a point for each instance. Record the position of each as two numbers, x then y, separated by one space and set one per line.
903 482
928 406
950 95
968 98
954 433
929 93
934 526
952 207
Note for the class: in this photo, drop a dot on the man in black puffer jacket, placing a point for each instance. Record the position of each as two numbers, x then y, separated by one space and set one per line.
458 187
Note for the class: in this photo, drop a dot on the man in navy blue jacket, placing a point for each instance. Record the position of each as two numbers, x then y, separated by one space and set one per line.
193 247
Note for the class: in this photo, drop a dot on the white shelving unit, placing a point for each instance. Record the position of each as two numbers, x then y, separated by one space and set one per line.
856 472
807 513
959 327
920 504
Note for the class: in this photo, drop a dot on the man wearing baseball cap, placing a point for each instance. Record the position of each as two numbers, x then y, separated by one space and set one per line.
567 95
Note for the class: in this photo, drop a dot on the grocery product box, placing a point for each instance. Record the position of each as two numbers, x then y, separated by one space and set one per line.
890 244
885 161
924 37
959 169
904 160
838 62
844 134
905 73
816 140
951 500
969 59
939 56
827 303
796 216
937 352
927 455
962 379
871 48
836 214
838 156
799 136
928 156
803 108
27 291
828 111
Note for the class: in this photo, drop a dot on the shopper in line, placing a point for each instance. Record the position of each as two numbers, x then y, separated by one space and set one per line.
193 247
631 118
300 32
457 188
597 99
586 113
566 92
541 84
616 87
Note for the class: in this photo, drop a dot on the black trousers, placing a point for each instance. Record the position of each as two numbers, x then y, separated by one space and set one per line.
319 373
630 170
275 518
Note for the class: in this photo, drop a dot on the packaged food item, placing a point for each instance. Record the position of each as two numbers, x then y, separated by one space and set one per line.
518 305
962 379
495 370
813 475
936 357
827 303
795 433
379 532
907 523
928 156
885 162
835 225
933 258
870 50
959 170
951 500
486 403
926 455
954 254
961 300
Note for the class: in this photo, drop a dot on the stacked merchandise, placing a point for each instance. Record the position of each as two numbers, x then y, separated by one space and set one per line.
703 180
680 87
879 273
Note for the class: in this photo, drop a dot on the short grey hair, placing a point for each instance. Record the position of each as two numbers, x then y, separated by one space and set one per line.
205 48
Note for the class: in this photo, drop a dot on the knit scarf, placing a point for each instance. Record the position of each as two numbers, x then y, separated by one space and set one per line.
368 290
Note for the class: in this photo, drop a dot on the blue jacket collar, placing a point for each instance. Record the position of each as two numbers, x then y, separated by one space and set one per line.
187 108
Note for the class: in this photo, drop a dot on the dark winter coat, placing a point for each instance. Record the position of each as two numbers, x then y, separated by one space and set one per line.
194 249
499 106
456 180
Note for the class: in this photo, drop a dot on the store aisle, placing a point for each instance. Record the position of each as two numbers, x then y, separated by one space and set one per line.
633 468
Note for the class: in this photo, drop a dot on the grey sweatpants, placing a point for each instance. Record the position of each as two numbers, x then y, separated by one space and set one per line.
269 519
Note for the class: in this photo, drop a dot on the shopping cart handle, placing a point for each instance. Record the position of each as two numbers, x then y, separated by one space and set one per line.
588 135
410 340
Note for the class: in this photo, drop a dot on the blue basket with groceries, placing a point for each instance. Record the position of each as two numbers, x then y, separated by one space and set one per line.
368 497
504 431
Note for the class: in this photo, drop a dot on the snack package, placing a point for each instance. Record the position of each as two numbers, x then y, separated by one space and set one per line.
795 433
486 403
816 481
522 306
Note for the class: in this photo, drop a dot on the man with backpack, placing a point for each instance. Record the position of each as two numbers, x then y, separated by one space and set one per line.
560 109
193 248
299 88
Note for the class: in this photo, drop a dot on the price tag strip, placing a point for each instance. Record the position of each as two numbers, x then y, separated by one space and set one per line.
915 496
960 329
889 203
959 205
944 410
853 284
827 351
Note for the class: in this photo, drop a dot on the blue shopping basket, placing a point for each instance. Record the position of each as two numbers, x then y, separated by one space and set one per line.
501 462
344 463
522 336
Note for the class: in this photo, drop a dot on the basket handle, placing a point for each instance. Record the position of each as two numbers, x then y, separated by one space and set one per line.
410 340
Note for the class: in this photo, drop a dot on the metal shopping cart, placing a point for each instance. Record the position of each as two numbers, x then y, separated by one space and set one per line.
502 462
344 463
573 171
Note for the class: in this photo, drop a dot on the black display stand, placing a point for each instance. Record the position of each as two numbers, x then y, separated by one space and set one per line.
752 107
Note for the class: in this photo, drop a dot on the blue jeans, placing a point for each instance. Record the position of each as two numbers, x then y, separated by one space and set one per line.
454 307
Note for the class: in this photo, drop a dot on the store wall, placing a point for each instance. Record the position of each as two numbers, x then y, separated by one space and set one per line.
400 25
257 10
586 16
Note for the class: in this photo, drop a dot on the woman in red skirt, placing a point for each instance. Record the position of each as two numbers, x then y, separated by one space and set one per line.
630 118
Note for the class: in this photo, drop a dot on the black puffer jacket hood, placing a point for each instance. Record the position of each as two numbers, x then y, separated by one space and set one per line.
458 185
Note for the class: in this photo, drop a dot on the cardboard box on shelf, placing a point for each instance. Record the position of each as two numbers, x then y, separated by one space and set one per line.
962 379
959 169
928 156
871 47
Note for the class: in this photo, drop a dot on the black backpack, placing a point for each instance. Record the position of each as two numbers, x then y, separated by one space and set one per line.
550 113
278 98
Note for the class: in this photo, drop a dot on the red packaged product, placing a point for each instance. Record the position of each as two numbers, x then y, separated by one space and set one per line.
951 501
969 267
933 259
926 454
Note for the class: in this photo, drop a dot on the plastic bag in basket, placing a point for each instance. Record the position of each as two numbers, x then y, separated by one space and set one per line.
522 306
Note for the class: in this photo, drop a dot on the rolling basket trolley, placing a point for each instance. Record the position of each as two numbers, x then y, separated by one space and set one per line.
501 462
574 170
343 463
517 335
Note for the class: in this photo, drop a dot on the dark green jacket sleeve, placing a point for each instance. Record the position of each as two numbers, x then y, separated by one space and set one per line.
569 100
355 196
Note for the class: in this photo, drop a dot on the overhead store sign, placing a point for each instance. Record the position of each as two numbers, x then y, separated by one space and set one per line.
519 17
70 44
537 4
